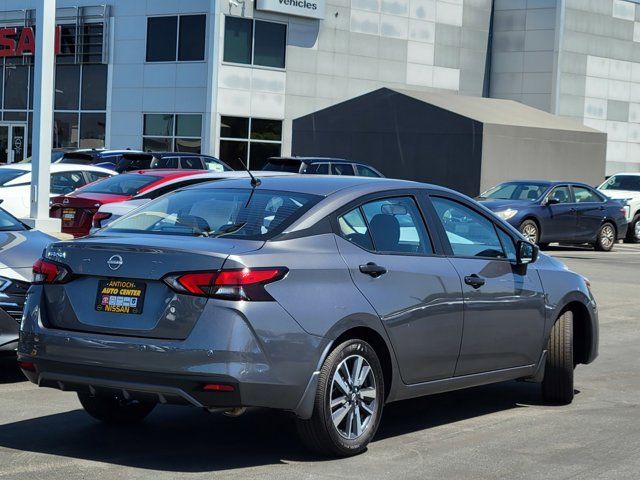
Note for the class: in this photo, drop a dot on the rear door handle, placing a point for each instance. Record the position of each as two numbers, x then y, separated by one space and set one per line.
372 269
474 281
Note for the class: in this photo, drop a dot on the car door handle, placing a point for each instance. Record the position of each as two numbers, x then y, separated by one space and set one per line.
573 209
372 269
474 281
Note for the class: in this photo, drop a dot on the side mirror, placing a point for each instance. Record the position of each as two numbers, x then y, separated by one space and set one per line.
552 201
526 252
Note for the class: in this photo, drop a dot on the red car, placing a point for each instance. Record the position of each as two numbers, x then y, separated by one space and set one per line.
76 209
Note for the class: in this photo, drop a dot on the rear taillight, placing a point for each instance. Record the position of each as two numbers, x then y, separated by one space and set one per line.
98 217
45 271
28 366
238 284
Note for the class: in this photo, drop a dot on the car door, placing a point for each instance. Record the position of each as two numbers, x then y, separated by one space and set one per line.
504 308
560 217
416 292
590 212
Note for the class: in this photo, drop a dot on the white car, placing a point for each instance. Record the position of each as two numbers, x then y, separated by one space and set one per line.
626 188
109 212
15 183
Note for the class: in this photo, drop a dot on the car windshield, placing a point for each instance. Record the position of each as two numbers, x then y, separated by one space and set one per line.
233 213
8 174
8 223
622 182
291 166
516 191
125 184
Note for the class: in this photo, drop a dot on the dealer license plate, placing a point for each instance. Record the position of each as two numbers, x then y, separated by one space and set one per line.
118 295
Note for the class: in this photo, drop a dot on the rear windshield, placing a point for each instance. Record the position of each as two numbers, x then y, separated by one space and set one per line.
622 182
8 174
124 184
292 166
232 213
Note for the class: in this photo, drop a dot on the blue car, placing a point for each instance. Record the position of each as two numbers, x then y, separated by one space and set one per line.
566 212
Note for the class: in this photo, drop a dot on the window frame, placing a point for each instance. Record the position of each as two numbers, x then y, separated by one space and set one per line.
253 43
436 247
248 140
177 15
174 130
442 233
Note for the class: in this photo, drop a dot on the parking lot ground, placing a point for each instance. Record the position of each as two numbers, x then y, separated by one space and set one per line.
495 432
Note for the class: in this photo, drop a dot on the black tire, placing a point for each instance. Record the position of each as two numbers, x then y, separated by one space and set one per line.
606 238
115 410
557 385
530 230
319 432
632 237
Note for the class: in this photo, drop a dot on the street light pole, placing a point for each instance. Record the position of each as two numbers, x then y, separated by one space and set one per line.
43 85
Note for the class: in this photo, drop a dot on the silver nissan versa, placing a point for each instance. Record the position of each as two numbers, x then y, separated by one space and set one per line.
324 296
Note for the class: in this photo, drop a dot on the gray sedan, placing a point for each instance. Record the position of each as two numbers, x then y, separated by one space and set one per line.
324 296
19 248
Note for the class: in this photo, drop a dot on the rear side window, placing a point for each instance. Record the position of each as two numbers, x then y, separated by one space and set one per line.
66 182
95 176
167 162
363 171
469 233
292 166
585 195
341 169
391 225
8 174
191 163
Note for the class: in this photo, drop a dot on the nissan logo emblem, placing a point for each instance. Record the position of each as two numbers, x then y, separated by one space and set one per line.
115 262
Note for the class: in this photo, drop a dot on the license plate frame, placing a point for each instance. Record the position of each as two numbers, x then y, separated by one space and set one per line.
69 215
119 295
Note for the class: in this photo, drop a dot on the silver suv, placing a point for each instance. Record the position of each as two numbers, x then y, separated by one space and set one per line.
324 296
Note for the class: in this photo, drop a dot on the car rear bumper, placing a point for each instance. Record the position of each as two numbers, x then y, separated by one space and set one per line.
261 351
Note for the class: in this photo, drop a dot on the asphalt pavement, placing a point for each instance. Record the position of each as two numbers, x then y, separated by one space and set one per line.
501 431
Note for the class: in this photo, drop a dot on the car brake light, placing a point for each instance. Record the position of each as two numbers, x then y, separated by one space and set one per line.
45 271
237 284
28 366
98 217
218 387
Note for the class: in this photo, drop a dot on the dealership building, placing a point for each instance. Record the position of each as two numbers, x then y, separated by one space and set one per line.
229 77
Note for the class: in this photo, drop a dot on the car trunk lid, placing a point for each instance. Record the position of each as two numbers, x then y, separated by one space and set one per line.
117 285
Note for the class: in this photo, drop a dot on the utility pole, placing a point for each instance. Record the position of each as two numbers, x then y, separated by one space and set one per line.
43 85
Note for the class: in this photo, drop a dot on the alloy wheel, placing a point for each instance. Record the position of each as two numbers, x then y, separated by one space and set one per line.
636 231
353 397
530 232
607 236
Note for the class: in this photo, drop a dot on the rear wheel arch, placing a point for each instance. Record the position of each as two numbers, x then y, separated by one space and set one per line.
379 345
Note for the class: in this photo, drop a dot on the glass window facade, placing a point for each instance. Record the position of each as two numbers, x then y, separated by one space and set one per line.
176 38
168 132
250 141
255 42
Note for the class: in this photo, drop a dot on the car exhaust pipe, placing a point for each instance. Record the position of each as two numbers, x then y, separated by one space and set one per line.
229 412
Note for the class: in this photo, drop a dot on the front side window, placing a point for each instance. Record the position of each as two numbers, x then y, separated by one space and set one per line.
168 132
561 195
176 38
234 213
585 195
392 225
363 171
249 141
469 233
254 42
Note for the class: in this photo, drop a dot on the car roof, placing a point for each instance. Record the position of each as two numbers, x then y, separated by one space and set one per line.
549 183
60 167
633 174
323 185
311 160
